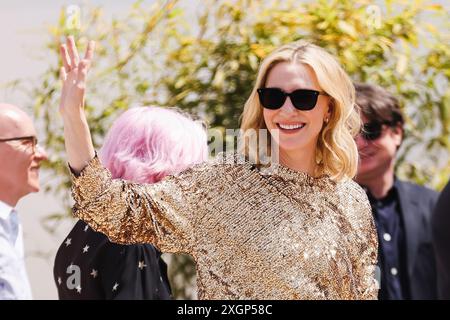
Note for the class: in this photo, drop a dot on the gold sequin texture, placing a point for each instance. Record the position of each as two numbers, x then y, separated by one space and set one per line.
255 233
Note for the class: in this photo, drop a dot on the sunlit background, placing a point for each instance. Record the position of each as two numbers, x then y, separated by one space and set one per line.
23 35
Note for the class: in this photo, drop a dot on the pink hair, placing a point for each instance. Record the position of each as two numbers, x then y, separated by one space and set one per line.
145 144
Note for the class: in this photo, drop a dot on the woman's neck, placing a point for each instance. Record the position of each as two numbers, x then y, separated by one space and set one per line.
299 161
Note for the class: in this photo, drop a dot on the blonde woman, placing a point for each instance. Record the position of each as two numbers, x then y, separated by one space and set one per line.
301 230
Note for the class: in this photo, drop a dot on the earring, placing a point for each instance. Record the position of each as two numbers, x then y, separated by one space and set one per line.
326 120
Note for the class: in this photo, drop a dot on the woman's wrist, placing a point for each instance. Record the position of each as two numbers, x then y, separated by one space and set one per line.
71 115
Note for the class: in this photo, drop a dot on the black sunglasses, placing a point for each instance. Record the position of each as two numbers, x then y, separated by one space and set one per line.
372 130
302 99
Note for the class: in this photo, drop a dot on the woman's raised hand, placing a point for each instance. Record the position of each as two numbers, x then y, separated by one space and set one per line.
73 74
77 136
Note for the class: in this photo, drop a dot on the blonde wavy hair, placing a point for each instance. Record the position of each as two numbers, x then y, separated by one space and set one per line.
336 151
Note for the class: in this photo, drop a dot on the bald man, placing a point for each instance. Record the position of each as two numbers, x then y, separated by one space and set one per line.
20 158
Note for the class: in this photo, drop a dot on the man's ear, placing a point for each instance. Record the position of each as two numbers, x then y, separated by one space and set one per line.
397 133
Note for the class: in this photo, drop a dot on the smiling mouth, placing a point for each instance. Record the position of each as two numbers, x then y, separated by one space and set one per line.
365 155
291 128
34 169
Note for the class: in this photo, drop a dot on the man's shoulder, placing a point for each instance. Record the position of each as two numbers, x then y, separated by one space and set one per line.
417 193
416 189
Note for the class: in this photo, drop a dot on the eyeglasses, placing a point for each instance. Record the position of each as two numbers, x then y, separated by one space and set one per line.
31 140
302 99
372 130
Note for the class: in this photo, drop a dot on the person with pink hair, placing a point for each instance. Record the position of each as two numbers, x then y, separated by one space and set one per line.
143 146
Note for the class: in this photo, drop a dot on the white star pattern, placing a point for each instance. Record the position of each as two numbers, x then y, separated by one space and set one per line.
142 265
85 249
86 228
94 273
78 289
68 242
115 286
59 280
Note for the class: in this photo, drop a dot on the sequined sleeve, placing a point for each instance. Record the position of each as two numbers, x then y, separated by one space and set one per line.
366 242
161 213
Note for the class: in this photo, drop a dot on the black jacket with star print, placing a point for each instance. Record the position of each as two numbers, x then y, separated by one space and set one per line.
89 266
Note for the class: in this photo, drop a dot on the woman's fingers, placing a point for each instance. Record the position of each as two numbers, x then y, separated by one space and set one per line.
83 68
65 57
85 64
62 74
90 51
73 52
74 71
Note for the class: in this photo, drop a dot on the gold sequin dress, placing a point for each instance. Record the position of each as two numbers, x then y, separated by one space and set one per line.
255 233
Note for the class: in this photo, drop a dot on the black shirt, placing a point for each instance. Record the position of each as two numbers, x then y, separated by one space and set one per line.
89 266
392 246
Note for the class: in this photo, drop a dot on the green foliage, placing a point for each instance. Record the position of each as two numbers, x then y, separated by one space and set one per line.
213 69
208 64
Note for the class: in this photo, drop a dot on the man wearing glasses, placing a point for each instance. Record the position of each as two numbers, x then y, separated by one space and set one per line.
401 210
20 158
